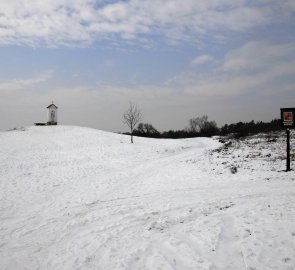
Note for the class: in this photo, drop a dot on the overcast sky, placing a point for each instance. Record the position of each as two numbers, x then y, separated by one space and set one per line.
233 60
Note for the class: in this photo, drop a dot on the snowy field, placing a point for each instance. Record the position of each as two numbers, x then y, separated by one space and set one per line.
79 198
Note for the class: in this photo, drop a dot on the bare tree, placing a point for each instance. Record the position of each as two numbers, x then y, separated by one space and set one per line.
193 125
198 123
131 117
146 130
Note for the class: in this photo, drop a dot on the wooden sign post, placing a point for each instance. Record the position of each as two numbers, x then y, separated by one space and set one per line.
288 121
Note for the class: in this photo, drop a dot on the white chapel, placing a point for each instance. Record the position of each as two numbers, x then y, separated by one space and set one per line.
52 114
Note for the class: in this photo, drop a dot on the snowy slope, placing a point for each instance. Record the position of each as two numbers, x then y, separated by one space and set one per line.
78 198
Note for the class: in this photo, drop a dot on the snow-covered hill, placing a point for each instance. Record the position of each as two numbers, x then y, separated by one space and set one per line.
78 198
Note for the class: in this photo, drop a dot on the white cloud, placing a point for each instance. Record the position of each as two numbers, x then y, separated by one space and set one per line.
255 55
202 59
19 84
230 85
258 65
81 22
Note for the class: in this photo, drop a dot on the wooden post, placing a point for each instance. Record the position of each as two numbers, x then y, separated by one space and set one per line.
288 150
288 121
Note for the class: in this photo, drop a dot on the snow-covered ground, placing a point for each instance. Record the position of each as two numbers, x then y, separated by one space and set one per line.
78 198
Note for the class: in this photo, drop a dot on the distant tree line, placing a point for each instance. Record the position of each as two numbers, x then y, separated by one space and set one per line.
202 127
243 129
197 127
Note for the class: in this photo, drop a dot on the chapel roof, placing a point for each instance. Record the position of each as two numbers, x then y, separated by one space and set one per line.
51 106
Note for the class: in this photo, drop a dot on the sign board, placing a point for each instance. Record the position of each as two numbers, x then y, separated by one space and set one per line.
288 117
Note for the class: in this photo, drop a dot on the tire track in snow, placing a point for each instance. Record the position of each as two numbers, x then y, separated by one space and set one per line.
228 254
